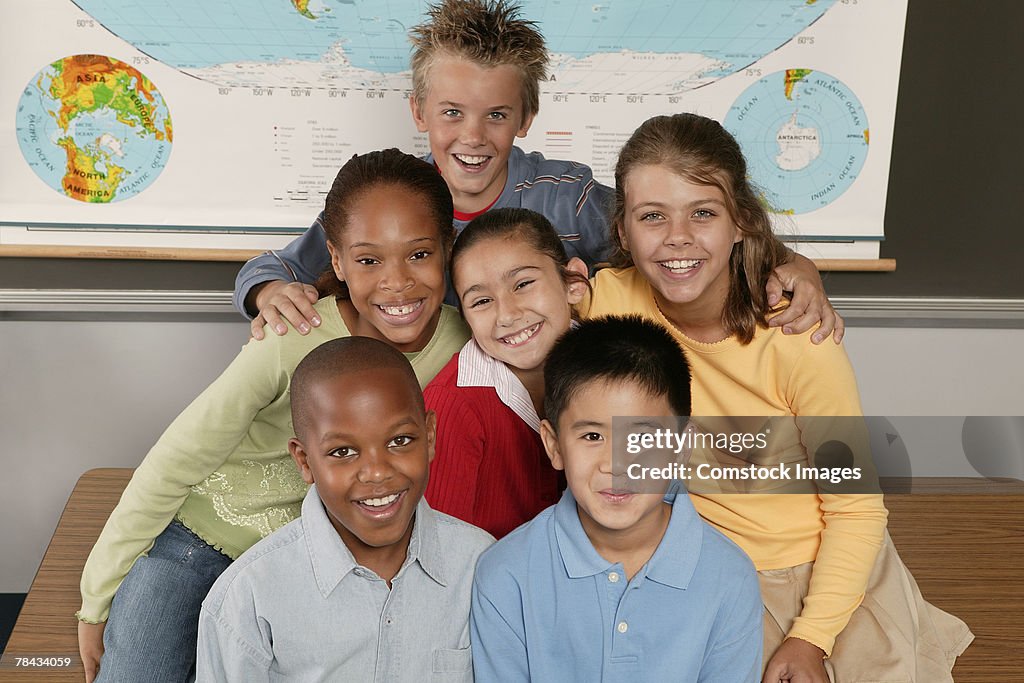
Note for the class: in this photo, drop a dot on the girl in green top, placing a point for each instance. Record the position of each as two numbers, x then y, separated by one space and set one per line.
220 478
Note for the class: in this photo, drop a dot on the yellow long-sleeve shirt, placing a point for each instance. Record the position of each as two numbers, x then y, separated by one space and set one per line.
776 375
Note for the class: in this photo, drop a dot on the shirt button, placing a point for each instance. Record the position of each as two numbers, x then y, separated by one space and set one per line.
613 577
623 627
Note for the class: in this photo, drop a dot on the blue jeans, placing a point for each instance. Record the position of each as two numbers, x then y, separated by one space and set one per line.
154 618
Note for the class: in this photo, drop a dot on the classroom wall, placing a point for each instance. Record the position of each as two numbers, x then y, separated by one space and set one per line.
97 393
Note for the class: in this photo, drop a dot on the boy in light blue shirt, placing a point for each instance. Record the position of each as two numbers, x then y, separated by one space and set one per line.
609 584
370 583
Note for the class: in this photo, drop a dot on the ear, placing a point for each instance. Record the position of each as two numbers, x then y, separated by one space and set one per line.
550 439
577 288
335 261
738 237
525 128
417 114
431 434
298 454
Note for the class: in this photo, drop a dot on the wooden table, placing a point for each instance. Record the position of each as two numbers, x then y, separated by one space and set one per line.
963 541
964 544
46 626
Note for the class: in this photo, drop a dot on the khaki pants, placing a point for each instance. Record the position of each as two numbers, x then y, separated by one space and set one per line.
894 636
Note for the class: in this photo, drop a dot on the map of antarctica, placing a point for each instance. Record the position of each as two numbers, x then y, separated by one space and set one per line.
805 136
94 128
597 46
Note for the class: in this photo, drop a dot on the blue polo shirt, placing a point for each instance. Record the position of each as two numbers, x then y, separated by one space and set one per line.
547 607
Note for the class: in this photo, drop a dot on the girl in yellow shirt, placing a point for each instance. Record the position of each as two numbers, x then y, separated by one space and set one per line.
693 249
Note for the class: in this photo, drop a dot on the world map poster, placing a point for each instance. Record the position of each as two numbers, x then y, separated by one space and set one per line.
222 124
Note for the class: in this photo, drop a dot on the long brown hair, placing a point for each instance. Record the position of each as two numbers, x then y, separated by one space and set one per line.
389 167
700 150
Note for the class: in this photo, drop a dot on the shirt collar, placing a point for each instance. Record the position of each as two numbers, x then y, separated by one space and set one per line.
332 561
673 562
578 555
477 369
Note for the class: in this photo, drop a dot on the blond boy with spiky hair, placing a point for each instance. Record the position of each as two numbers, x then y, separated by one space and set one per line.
476 71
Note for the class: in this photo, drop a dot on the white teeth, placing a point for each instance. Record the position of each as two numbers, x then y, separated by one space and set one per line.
520 337
472 160
681 264
380 502
401 310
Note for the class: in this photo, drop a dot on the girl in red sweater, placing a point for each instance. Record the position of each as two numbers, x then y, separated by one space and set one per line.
516 287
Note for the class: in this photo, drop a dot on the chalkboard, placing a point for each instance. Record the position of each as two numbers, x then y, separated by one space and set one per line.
952 220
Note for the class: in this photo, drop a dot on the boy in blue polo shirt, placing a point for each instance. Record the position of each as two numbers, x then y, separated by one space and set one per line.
610 584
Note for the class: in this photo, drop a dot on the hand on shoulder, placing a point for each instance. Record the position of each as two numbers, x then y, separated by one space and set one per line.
278 301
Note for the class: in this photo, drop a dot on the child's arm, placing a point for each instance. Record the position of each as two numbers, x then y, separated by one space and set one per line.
498 638
821 385
90 647
279 283
193 446
809 304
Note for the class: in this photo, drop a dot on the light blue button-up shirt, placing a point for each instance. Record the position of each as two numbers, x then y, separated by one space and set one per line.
297 607
548 607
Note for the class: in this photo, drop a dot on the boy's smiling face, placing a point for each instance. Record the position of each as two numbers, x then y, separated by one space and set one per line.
367 444
472 115
582 447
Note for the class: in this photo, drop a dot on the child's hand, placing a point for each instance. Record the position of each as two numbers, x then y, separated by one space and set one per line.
796 661
809 304
90 646
293 300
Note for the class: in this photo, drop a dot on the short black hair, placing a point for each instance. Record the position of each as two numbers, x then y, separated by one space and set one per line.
616 348
341 357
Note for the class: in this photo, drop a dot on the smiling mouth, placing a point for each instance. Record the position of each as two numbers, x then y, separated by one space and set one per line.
520 337
380 502
400 311
381 506
680 266
471 161
616 495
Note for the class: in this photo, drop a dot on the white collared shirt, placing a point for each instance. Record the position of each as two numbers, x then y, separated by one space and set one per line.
298 607
477 369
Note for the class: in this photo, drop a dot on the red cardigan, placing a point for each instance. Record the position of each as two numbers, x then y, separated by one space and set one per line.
489 467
